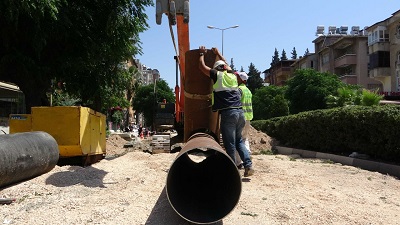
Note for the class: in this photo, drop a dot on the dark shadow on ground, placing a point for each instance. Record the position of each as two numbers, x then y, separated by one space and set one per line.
163 213
87 176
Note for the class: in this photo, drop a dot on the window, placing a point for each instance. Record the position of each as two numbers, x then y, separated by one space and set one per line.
383 36
379 59
380 34
398 61
398 32
325 58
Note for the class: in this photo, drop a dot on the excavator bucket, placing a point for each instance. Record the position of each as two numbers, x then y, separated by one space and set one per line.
171 9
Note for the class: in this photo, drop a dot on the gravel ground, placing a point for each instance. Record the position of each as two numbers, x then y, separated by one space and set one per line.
128 187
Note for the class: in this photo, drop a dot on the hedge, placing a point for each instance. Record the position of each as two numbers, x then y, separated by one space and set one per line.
371 130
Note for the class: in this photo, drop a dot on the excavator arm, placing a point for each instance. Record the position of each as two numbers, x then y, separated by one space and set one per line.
178 14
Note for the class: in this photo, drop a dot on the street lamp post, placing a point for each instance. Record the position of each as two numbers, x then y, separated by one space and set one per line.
222 29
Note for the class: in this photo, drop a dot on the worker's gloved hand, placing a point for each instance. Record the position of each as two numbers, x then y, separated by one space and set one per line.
215 50
203 49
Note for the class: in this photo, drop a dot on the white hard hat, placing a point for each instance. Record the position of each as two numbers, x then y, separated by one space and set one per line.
218 63
243 76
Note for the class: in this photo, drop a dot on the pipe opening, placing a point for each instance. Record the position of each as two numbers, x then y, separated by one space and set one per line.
203 191
198 156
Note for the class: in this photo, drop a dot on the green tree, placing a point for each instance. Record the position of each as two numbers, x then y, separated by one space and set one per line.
78 42
232 65
306 52
132 85
346 95
24 27
269 102
114 93
370 98
309 89
353 95
61 98
147 96
283 56
294 53
255 81
275 58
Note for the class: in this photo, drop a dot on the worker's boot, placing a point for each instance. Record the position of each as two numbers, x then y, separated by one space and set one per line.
248 171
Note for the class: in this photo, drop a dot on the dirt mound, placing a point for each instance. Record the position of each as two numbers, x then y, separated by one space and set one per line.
260 141
116 145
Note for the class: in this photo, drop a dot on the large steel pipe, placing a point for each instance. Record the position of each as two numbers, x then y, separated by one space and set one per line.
198 115
26 155
203 183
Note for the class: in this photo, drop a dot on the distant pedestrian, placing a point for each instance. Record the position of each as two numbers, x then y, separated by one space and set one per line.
140 130
226 100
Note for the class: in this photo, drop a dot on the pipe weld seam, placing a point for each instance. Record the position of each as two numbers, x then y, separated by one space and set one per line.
198 96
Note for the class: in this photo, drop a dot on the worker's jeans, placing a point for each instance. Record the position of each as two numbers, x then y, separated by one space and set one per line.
232 124
245 135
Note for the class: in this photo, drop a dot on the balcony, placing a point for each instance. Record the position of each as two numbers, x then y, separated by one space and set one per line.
379 72
346 60
282 76
282 70
379 46
348 78
344 43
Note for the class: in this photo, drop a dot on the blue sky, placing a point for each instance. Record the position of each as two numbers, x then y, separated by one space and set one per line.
263 26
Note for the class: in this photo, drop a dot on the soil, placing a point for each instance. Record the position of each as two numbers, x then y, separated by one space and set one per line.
128 187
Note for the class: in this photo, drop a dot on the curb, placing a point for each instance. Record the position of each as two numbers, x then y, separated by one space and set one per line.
383 168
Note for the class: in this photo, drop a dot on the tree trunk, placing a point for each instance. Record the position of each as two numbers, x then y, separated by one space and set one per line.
34 97
97 103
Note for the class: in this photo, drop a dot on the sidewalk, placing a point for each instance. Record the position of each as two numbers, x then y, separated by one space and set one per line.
383 168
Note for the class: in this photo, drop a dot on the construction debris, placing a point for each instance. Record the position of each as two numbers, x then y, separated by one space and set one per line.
6 201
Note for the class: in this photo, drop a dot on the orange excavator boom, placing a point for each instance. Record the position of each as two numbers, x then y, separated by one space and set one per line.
178 14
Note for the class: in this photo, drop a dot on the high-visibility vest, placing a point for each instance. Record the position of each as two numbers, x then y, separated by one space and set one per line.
246 102
225 92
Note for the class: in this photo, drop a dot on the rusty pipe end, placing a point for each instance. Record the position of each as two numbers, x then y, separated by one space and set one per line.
203 183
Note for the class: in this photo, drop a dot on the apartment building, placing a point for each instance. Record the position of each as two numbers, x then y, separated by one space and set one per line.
150 76
308 61
345 54
267 77
384 54
147 76
279 73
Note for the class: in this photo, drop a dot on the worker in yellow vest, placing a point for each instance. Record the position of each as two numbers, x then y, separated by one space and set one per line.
247 106
226 100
